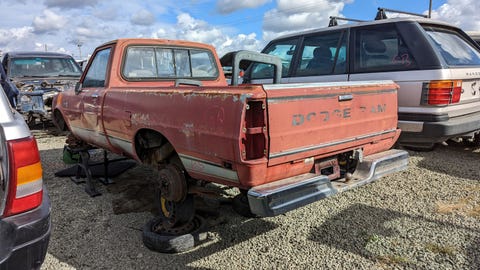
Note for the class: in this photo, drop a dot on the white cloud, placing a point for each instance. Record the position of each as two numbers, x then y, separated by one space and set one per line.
462 13
50 21
110 13
189 28
143 17
15 36
229 6
70 3
290 16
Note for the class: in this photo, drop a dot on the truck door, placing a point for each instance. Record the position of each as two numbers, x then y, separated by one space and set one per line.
93 93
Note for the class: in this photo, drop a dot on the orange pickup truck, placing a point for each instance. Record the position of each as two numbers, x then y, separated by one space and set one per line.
167 103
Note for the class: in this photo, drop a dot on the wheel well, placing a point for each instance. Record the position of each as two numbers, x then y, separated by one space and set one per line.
153 148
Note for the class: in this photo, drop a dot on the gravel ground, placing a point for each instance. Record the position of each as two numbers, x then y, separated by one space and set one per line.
424 218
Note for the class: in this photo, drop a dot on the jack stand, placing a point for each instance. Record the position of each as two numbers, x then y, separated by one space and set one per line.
105 180
83 165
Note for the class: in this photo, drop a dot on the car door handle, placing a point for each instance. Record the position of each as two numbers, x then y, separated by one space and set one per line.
345 97
94 95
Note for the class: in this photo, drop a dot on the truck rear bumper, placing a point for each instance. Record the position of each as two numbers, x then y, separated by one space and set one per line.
24 238
278 197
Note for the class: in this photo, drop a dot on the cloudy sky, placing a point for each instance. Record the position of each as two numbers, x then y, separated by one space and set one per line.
76 27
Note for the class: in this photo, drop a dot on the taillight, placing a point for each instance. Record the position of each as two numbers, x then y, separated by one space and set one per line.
441 92
254 129
25 188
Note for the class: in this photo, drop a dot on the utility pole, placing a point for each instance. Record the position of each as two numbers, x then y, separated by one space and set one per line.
79 45
430 10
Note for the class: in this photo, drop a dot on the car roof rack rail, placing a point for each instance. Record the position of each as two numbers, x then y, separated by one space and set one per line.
382 15
333 20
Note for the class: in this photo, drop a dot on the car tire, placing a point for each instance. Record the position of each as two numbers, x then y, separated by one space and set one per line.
170 240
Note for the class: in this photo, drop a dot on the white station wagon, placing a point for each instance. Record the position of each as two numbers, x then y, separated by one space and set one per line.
436 65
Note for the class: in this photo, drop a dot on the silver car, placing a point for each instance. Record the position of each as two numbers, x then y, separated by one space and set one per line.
24 202
436 65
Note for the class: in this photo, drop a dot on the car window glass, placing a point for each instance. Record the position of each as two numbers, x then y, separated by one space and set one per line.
144 62
319 53
182 63
96 74
454 49
203 64
164 62
283 49
382 49
140 62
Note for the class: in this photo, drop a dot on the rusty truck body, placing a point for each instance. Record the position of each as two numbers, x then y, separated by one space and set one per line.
166 103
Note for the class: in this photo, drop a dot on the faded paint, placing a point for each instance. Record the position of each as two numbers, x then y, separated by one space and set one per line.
188 130
208 125
140 119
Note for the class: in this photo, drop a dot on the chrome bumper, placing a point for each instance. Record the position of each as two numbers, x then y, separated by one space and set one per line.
278 197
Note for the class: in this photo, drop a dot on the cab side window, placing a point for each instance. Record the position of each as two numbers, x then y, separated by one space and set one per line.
323 55
97 71
381 49
285 50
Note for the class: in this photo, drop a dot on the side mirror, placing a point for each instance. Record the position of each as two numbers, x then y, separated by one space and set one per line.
78 87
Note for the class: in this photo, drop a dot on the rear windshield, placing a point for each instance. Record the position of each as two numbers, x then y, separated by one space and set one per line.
155 62
455 50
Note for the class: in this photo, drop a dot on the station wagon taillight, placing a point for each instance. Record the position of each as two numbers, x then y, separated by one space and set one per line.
25 190
441 92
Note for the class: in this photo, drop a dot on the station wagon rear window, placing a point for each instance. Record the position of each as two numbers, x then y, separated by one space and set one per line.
455 50
151 63
382 48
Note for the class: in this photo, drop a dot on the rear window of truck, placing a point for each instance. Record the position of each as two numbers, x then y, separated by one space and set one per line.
154 62
453 48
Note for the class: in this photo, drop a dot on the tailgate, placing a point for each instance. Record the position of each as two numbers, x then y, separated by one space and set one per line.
307 120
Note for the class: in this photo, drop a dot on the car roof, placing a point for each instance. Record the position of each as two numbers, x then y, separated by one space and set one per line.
366 23
36 54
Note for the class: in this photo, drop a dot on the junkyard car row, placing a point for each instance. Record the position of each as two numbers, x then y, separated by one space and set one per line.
38 77
341 97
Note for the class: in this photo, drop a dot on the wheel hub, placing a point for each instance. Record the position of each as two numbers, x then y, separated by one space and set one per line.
172 183
173 202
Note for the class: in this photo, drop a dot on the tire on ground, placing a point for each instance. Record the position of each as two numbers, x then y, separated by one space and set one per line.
172 243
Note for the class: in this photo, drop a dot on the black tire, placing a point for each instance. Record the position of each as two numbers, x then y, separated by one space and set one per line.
170 241
59 122
31 120
241 206
476 140
473 142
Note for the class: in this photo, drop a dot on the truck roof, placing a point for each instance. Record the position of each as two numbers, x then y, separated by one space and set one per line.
159 41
